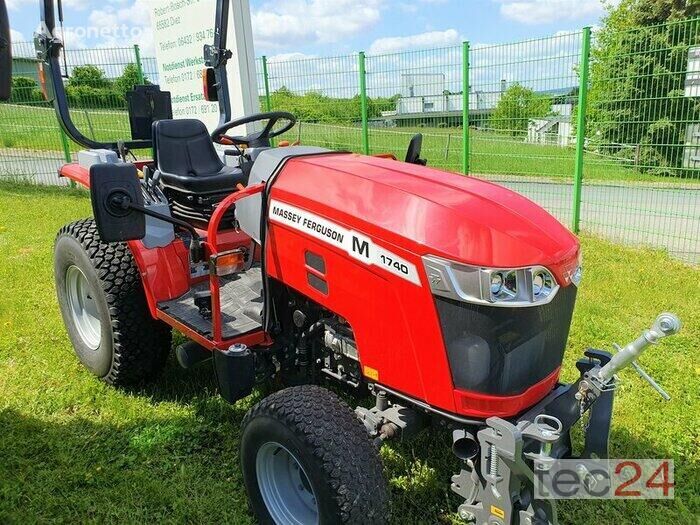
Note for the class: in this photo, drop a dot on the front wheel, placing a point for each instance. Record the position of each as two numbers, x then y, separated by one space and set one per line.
307 459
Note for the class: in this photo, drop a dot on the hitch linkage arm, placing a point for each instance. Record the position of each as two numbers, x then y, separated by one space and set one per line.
666 324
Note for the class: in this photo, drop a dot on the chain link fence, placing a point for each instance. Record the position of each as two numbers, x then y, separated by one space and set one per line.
602 129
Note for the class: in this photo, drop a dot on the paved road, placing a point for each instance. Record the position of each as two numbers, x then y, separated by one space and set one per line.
659 217
41 167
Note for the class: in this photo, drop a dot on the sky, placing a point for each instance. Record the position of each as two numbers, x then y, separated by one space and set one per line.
331 27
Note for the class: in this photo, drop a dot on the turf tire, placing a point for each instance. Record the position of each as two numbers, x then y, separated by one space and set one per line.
133 346
333 448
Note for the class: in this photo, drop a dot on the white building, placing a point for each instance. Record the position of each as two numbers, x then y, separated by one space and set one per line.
555 129
478 101
691 152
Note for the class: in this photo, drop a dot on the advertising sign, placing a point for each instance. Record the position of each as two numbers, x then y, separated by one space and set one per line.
181 28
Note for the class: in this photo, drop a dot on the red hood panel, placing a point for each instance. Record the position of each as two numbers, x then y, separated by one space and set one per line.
427 210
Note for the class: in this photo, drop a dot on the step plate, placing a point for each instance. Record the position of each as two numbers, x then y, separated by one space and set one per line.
241 305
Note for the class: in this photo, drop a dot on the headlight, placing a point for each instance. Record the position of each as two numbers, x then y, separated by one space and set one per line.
529 286
542 283
496 283
578 273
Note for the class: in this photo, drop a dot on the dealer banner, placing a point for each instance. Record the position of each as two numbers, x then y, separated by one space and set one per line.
181 28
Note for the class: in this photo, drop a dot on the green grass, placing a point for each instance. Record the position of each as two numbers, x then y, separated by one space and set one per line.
75 450
35 127
494 154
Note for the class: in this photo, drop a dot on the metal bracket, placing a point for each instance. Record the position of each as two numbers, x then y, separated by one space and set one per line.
215 57
387 420
47 46
598 431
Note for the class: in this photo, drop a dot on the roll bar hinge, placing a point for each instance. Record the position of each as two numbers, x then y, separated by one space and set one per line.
47 46
215 57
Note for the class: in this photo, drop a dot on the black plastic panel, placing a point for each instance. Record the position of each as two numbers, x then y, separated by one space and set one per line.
147 104
315 261
317 282
504 351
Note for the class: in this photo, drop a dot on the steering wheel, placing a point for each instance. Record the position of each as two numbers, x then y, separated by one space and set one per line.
260 138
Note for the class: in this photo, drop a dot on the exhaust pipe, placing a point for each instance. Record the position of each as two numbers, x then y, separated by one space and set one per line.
464 445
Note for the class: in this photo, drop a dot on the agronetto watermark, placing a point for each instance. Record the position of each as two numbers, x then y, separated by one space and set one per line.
110 32
605 479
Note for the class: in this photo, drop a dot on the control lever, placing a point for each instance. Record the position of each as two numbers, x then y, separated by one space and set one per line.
665 325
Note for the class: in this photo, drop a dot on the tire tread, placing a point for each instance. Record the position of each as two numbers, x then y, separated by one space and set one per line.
351 463
141 344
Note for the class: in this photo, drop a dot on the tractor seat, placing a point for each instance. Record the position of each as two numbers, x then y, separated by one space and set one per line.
191 174
187 160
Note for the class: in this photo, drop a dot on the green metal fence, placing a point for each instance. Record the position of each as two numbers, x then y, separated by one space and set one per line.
603 130
32 144
417 91
323 93
643 127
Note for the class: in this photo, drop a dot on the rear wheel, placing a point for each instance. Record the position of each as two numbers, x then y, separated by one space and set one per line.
104 307
307 459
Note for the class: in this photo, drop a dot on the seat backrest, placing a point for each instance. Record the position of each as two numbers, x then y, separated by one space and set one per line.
184 147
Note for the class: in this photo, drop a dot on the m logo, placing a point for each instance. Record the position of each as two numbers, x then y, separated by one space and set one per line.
360 247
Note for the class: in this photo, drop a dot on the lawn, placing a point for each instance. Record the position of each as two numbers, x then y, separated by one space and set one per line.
74 450
34 127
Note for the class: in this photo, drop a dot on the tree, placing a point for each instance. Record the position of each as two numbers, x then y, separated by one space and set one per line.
129 78
637 105
90 76
516 107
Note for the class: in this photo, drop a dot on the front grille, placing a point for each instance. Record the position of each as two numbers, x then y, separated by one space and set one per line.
504 351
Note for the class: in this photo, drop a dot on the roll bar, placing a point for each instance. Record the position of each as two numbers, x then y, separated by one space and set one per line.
5 54
48 48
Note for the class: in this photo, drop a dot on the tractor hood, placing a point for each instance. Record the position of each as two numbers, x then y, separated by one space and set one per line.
428 211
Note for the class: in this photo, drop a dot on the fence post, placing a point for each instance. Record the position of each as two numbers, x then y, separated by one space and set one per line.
581 128
266 79
465 108
66 150
363 102
139 66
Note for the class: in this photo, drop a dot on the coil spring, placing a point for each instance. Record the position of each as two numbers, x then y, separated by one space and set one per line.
493 463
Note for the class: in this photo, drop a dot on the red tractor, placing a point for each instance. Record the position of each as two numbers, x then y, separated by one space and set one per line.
445 298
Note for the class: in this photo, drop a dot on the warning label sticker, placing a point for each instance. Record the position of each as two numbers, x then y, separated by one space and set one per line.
354 244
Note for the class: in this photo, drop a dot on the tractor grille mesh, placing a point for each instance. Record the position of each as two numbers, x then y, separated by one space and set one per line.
504 351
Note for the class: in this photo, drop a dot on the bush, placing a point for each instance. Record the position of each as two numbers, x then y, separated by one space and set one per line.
638 74
316 107
25 90
88 76
96 98
130 78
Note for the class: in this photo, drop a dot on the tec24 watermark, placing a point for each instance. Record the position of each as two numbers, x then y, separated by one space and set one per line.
605 479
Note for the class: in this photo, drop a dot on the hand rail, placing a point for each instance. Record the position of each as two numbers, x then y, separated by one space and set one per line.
222 207
212 236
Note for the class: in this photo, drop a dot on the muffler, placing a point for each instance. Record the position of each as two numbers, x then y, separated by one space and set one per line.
464 444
